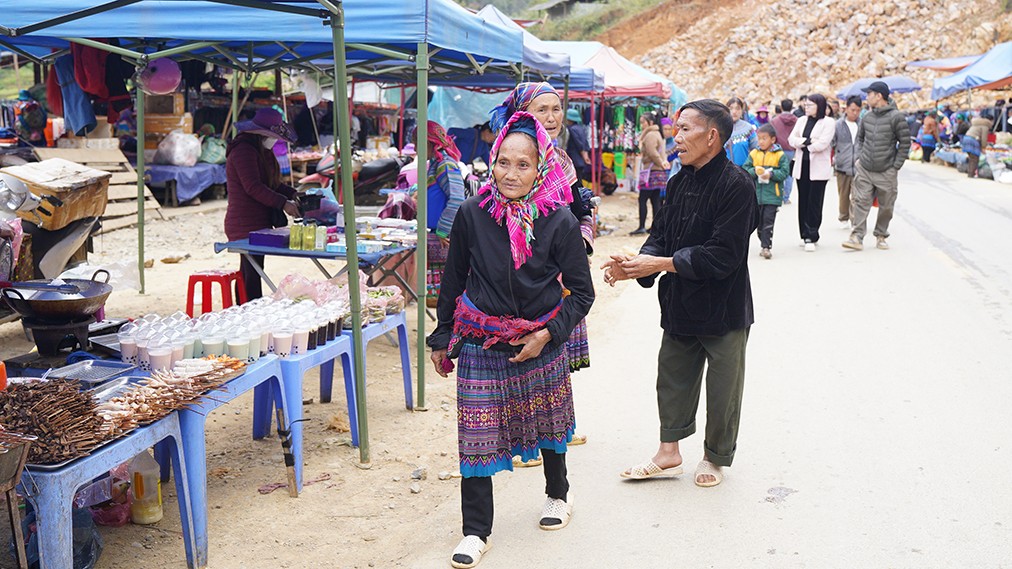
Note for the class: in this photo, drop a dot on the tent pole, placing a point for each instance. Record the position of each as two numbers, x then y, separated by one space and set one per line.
400 126
140 185
592 129
342 127
421 154
235 101
565 95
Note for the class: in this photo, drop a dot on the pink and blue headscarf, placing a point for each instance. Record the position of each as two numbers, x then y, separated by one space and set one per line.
518 100
550 190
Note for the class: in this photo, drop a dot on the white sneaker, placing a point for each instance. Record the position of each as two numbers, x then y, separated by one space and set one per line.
845 225
468 552
881 243
809 247
556 513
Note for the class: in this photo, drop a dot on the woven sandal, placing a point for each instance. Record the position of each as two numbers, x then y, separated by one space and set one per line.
578 440
707 467
519 462
556 513
468 552
650 470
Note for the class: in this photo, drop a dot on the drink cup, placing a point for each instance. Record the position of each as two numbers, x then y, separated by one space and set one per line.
142 355
213 345
282 343
300 342
178 351
189 348
238 348
265 340
160 357
128 350
253 351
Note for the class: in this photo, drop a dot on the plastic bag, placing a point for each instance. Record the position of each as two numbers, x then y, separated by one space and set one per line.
212 150
87 541
400 206
122 274
178 149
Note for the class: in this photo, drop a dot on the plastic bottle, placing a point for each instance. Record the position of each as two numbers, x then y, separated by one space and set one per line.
321 237
3 376
295 235
309 236
146 487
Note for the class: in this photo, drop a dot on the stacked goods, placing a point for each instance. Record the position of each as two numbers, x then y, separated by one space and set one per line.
165 392
58 413
69 422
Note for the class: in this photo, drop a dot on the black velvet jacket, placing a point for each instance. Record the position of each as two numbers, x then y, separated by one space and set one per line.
704 226
481 262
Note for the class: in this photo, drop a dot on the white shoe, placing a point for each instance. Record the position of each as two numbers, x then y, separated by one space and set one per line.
556 513
468 552
809 247
845 225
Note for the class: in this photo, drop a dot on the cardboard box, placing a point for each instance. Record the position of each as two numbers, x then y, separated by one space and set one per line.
84 191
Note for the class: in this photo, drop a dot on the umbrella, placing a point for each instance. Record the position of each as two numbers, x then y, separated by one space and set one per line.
896 83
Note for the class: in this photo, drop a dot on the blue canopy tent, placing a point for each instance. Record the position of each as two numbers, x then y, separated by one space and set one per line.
896 83
993 70
950 64
407 39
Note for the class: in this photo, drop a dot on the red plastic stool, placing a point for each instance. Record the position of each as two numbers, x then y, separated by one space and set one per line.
226 279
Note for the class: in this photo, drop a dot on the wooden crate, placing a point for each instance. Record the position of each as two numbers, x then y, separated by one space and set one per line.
83 190
157 126
121 208
171 104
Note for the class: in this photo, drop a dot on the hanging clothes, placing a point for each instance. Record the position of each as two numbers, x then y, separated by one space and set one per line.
77 109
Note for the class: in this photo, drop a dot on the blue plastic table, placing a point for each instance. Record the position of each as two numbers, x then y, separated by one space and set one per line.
369 333
266 370
370 263
53 491
293 370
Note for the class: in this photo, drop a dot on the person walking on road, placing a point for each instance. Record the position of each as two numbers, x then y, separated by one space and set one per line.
845 157
742 139
784 123
769 168
653 170
812 136
883 143
700 243
507 324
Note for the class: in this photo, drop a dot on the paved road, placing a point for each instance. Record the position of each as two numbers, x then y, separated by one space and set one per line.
876 428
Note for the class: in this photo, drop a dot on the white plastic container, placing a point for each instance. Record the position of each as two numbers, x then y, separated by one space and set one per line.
146 488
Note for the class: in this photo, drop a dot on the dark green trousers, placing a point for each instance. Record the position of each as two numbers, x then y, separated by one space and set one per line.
680 365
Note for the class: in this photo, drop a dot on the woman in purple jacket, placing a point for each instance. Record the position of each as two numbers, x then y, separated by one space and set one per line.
254 185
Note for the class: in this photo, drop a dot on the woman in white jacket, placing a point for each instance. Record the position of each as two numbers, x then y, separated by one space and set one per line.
812 136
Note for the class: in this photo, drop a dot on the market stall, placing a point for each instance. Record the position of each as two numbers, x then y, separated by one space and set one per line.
390 39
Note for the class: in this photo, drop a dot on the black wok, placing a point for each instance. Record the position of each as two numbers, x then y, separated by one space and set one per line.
55 306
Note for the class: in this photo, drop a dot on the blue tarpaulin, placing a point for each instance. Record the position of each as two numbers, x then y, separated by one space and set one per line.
440 23
992 71
896 83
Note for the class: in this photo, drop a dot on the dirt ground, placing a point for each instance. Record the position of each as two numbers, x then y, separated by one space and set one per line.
354 516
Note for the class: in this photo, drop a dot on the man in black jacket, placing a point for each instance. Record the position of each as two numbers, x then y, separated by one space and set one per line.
700 242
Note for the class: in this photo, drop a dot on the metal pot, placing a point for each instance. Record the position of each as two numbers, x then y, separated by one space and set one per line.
55 306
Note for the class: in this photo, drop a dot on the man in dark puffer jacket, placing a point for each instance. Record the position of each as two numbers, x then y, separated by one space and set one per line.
883 142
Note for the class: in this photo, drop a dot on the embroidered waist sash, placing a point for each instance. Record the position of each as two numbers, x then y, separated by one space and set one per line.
470 322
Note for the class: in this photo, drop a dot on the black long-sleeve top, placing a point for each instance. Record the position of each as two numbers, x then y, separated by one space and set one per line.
480 261
704 226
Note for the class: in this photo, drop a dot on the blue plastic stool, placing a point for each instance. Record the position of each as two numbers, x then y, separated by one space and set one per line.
52 491
372 331
293 370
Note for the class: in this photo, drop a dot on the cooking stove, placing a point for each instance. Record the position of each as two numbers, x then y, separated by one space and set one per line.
51 337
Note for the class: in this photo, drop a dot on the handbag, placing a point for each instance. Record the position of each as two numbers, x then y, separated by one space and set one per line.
278 218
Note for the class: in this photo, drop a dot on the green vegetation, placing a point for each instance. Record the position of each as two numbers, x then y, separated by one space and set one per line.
9 83
590 25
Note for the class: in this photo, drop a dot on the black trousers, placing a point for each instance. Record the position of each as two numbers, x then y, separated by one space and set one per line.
768 216
654 197
250 277
926 152
811 194
476 505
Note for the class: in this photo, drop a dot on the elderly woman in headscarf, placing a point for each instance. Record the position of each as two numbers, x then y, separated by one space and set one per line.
544 103
504 314
445 192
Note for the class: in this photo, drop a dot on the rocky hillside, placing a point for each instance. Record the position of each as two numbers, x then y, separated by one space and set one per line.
767 50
